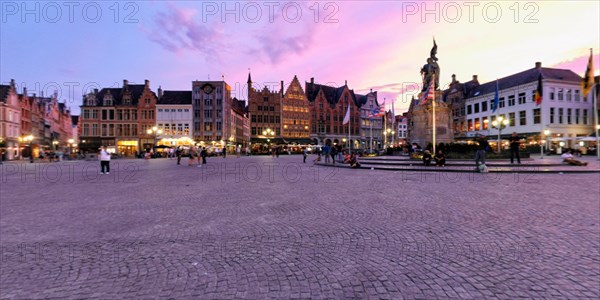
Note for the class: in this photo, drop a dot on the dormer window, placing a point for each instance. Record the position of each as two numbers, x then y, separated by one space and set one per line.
108 101
126 99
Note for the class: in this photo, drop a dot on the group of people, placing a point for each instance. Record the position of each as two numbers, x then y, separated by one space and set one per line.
439 157
200 154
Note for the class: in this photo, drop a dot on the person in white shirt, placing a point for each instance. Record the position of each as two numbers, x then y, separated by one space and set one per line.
568 158
104 161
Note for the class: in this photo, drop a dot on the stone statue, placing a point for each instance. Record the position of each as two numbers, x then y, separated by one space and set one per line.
431 69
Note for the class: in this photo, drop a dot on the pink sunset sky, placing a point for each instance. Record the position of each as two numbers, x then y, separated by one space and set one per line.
379 45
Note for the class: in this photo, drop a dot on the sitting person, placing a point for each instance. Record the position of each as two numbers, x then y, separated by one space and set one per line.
440 158
347 158
427 158
354 161
568 158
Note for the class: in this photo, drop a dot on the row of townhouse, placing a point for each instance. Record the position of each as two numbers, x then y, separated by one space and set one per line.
31 124
133 119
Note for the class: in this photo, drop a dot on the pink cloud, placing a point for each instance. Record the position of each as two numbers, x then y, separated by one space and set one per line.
578 64
177 30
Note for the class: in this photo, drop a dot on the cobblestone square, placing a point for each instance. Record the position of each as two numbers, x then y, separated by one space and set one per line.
275 228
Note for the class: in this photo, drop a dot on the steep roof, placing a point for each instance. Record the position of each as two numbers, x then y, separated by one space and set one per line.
136 91
524 77
4 89
176 98
332 94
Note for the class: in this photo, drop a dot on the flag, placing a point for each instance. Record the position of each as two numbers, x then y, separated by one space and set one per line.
496 99
374 112
588 77
347 117
539 93
378 111
429 93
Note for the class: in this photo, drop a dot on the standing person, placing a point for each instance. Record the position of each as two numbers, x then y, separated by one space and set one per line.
482 147
304 153
515 142
326 153
247 151
238 151
224 152
191 160
277 150
104 161
203 154
178 153
333 153
1 155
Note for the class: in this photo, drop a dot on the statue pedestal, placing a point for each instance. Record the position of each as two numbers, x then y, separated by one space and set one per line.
422 119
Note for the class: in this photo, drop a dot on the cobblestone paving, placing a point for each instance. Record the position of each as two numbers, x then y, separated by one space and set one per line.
261 227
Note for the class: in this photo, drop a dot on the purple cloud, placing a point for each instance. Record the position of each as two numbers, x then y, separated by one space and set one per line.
177 30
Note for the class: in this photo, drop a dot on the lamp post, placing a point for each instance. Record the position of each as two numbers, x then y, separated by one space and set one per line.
547 135
71 142
29 139
268 133
154 132
500 124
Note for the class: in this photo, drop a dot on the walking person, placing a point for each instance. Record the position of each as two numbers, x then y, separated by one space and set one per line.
305 153
482 147
515 143
224 152
104 161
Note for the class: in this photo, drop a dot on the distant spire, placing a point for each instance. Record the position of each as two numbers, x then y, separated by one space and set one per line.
249 77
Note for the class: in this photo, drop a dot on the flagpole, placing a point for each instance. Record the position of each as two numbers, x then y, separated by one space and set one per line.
433 106
594 98
542 125
349 144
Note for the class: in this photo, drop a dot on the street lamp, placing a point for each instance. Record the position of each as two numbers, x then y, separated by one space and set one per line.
155 132
29 139
500 124
547 135
268 132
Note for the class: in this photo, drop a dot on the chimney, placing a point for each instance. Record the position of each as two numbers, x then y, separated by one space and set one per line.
147 83
453 78
24 91
95 91
160 92
12 83
346 82
474 77
312 80
125 82
538 65
282 88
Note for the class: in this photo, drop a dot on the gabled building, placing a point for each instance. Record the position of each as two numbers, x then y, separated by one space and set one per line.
371 127
264 109
119 118
295 115
10 121
328 106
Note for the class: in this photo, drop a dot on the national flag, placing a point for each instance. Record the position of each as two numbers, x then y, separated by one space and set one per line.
381 110
496 98
429 93
373 112
588 77
347 117
539 93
